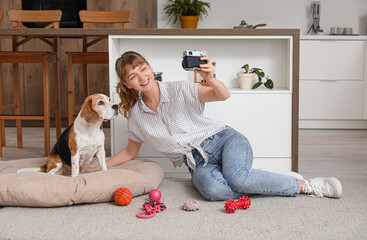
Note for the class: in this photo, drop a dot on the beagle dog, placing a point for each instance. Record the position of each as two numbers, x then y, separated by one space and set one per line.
82 140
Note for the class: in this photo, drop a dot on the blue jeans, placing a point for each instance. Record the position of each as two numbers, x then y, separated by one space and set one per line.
228 174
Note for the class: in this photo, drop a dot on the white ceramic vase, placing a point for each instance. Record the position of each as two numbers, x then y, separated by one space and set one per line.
246 80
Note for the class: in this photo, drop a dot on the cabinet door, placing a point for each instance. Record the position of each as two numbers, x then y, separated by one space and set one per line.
331 60
331 100
265 119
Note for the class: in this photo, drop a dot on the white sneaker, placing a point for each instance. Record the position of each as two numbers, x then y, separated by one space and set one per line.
324 187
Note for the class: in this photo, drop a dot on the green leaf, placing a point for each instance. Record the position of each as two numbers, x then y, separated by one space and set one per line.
256 85
246 67
176 8
269 84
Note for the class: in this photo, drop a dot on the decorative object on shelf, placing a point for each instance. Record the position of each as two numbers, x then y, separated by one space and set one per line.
231 206
188 11
315 13
246 80
191 205
244 24
260 74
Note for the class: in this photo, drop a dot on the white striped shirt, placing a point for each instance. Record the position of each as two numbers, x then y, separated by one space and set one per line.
178 126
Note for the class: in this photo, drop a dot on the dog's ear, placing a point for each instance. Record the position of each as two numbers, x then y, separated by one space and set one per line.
88 112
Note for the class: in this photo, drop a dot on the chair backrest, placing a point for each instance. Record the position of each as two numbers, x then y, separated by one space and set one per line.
18 17
89 17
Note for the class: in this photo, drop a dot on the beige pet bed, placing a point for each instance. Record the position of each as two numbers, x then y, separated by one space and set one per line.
37 189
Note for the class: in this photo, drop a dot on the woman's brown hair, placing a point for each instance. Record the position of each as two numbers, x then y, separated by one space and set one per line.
128 96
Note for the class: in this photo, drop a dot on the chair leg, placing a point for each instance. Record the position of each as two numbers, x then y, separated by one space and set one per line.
17 101
2 122
70 90
57 100
85 80
46 106
1 141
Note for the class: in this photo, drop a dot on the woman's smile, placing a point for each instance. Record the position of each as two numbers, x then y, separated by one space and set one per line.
145 82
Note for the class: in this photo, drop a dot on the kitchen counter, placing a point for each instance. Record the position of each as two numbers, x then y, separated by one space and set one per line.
334 37
77 32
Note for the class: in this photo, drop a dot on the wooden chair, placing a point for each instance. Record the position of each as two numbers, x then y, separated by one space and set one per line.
2 122
88 18
18 17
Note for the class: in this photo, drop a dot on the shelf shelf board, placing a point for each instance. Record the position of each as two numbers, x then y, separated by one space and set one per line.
261 90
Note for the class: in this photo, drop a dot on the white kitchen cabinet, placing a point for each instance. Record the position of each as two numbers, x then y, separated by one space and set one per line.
331 60
267 117
331 100
332 84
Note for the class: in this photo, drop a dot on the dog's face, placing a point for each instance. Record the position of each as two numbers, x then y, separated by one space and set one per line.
97 107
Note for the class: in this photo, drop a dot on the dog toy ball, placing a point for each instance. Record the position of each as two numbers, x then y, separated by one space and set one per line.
231 206
244 202
191 205
155 195
122 196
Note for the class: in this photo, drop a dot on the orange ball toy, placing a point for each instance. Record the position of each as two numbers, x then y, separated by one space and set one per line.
122 196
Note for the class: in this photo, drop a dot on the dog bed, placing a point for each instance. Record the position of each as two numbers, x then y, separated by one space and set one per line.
37 189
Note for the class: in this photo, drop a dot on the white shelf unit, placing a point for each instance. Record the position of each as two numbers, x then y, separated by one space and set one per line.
263 115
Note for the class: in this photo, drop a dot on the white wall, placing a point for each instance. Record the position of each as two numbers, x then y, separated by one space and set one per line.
279 14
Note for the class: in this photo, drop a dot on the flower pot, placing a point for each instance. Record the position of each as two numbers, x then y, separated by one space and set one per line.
246 80
189 21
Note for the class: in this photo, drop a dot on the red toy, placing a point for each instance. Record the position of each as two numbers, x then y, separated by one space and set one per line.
155 195
231 206
151 208
122 196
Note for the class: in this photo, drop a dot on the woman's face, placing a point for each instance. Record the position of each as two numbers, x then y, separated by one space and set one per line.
140 78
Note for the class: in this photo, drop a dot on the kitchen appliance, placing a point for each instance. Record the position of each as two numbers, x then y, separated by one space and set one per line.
315 14
244 24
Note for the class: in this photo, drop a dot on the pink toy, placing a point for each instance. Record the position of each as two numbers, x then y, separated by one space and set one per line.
231 206
151 208
155 195
191 205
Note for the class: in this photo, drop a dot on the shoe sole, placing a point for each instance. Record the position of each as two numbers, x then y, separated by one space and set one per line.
337 186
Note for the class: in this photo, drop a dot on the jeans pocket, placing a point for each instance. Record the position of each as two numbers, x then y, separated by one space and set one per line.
213 143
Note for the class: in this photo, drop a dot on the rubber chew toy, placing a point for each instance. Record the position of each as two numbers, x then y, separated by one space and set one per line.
231 206
155 195
152 207
191 205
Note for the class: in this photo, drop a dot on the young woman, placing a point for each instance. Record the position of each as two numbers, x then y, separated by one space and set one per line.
168 116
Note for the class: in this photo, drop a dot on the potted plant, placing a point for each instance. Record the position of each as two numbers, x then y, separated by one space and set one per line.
188 11
246 78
